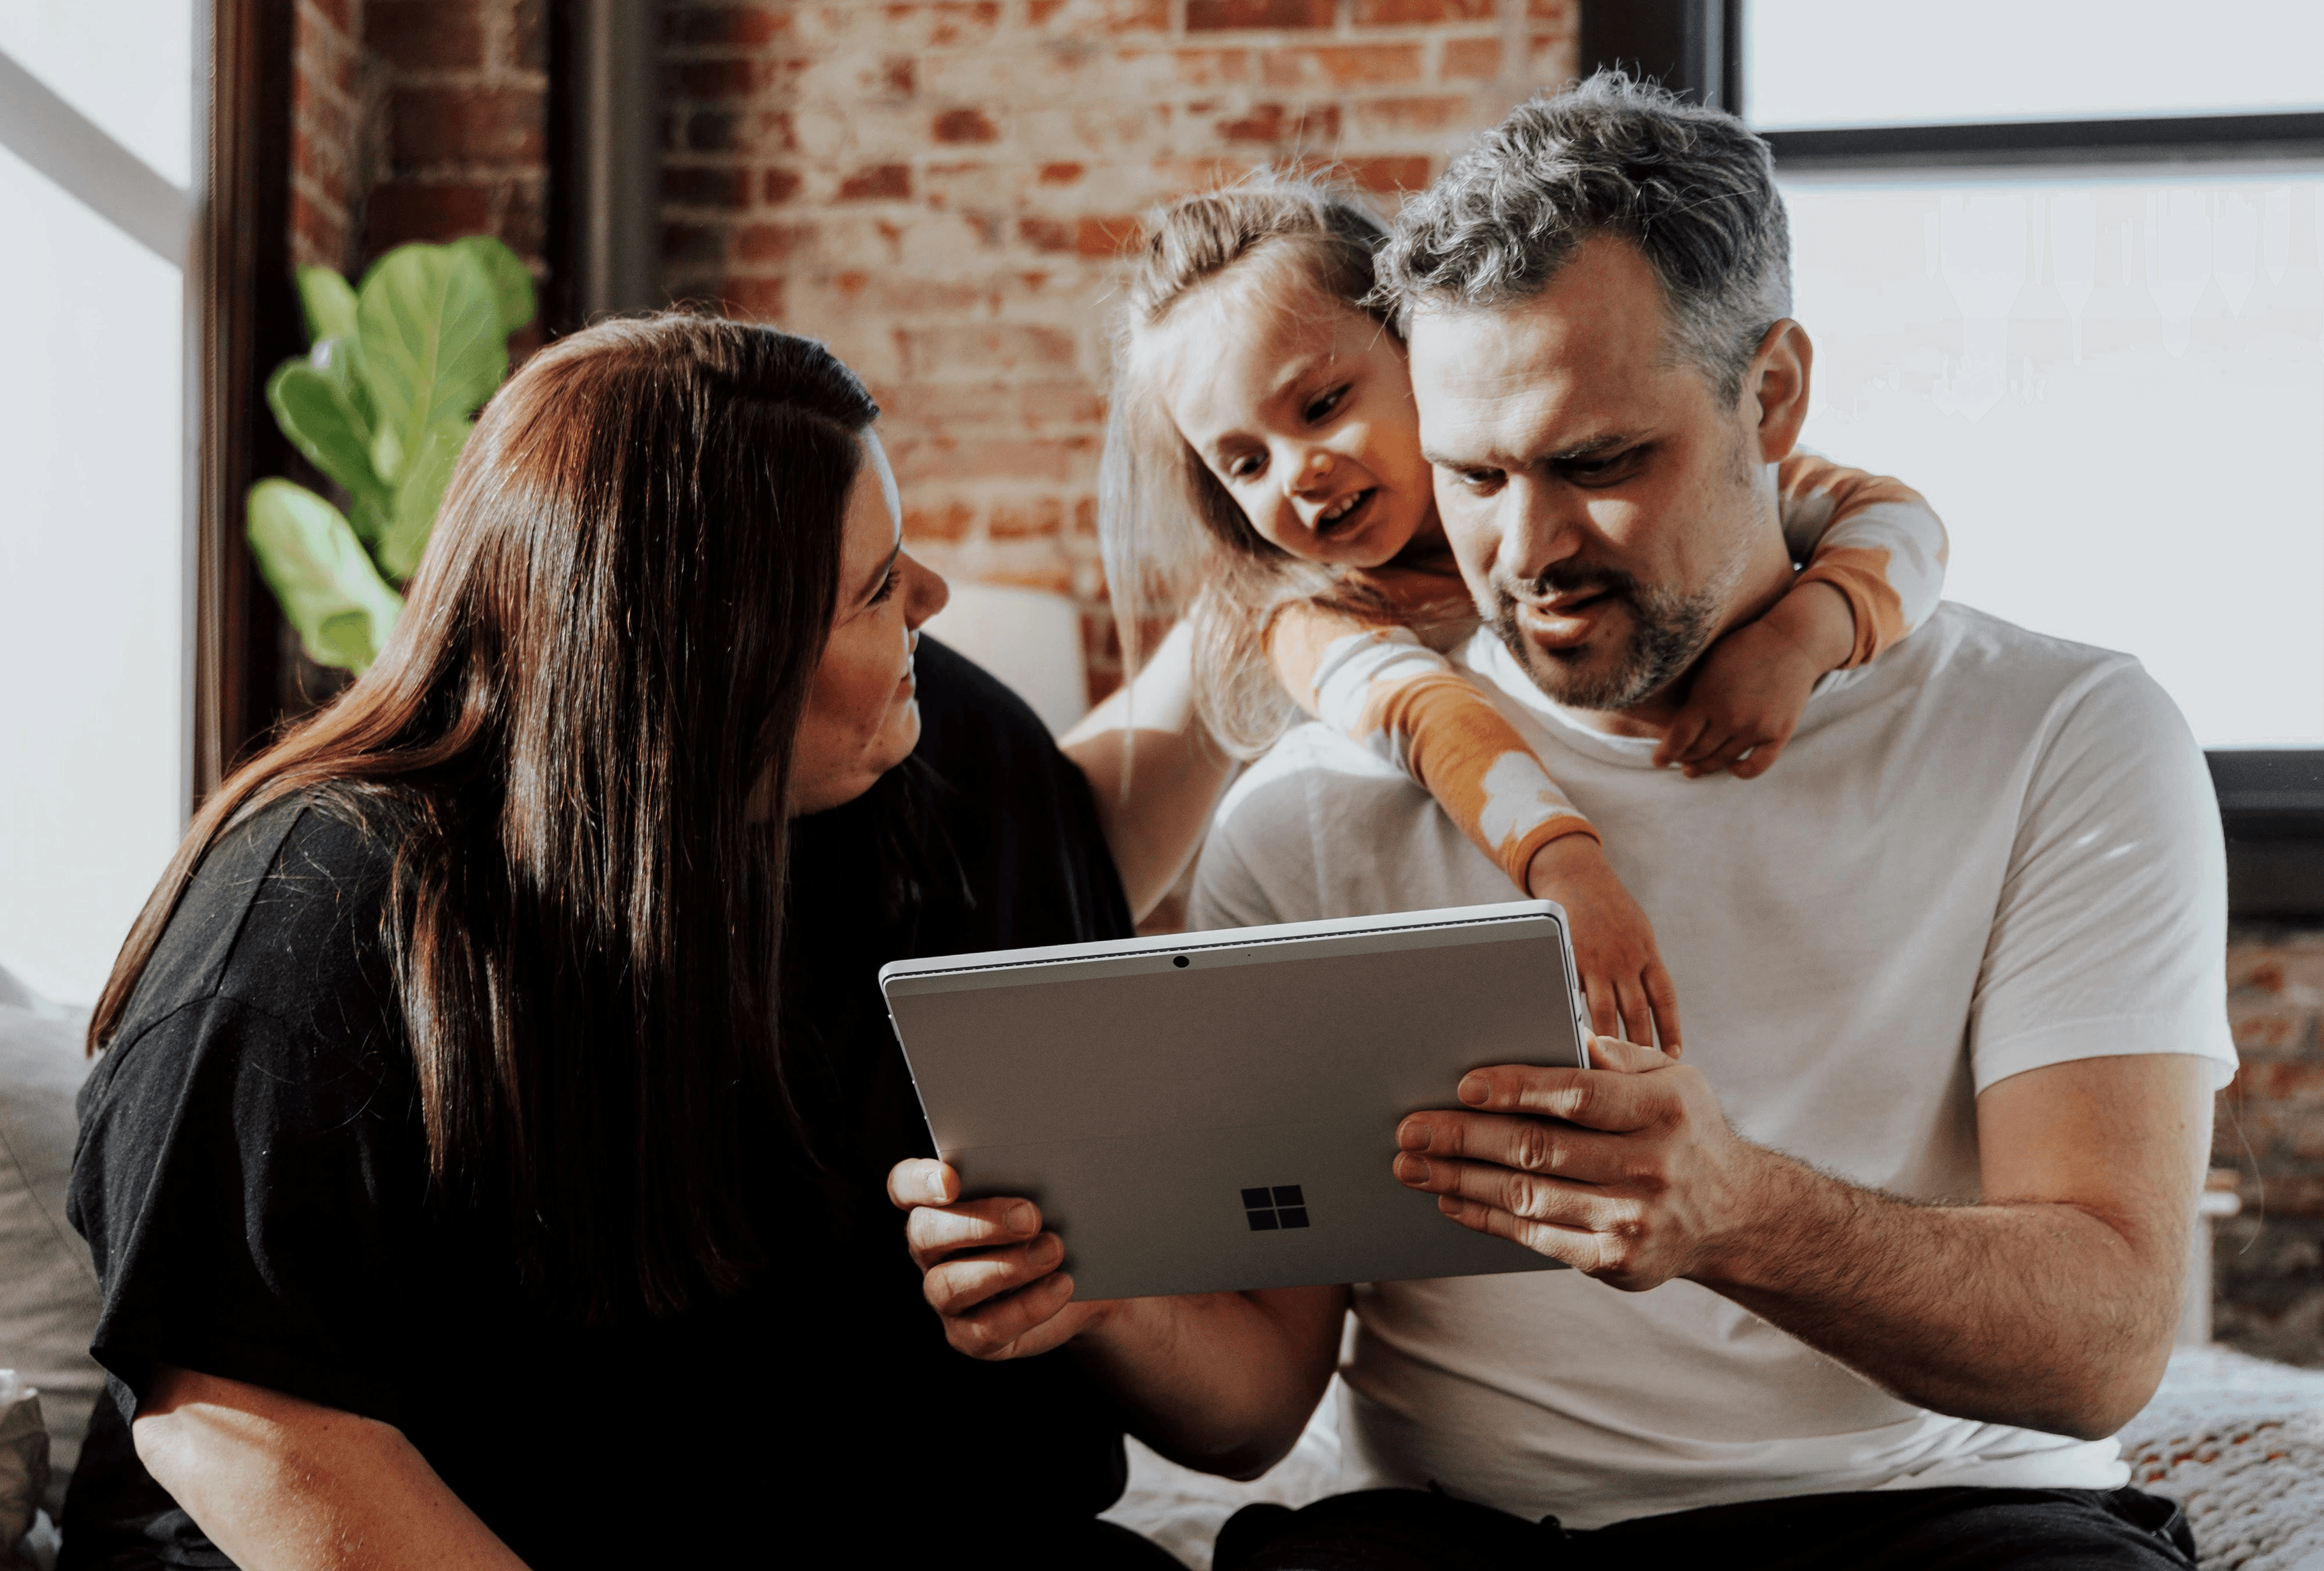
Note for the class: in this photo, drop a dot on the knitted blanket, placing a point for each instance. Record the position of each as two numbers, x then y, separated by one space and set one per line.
2237 1440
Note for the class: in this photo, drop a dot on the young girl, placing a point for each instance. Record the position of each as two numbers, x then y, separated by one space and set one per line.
1264 467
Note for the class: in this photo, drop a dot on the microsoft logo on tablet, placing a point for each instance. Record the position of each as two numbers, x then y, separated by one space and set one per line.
1282 1206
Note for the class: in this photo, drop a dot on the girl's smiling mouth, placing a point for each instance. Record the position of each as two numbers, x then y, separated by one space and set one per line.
1343 515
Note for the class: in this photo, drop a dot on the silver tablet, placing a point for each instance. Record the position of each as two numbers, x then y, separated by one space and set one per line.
1205 1112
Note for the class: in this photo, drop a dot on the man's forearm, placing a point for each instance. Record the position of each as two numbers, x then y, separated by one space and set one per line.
2049 1304
2042 1314
1219 1381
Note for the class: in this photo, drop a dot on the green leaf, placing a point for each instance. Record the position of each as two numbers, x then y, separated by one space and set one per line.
418 497
314 409
341 359
371 517
328 302
512 281
387 455
431 345
330 592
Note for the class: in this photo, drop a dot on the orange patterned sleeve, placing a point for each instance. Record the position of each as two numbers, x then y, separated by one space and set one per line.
1874 539
1411 707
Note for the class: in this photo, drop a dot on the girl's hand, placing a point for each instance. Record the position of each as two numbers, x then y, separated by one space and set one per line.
1750 689
1629 992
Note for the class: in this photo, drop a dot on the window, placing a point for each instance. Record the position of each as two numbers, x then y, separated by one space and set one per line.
1828 64
100 161
2112 387
2064 266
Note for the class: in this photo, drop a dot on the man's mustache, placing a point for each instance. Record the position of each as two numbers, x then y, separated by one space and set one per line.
1566 578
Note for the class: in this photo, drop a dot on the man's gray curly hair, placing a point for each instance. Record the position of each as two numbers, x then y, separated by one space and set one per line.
1689 187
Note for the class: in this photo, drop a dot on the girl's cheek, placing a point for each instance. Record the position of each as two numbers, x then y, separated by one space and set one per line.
1256 516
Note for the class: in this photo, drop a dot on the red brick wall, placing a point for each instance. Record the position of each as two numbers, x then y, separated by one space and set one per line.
466 85
2270 1129
419 120
938 189
329 176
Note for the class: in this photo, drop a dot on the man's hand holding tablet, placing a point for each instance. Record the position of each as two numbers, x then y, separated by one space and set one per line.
1627 1170
1631 1173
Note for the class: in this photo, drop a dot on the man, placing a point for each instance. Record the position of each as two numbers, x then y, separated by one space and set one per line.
1867 1280
1871 1276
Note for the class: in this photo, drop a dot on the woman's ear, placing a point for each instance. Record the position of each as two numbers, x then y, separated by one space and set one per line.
1775 389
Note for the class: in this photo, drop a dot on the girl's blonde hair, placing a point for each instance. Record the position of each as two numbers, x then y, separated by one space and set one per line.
1172 535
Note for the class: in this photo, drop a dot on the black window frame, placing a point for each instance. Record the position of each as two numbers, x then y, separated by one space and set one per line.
2165 139
2271 799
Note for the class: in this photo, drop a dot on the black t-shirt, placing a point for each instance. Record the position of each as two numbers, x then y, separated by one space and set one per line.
252 1180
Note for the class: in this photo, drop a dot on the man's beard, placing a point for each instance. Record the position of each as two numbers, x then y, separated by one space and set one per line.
1668 629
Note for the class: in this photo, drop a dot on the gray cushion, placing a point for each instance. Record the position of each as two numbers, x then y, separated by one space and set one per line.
49 1298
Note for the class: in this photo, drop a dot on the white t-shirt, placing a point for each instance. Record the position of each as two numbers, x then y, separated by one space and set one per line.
1985 852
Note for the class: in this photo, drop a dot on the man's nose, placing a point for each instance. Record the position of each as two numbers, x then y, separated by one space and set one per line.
1541 526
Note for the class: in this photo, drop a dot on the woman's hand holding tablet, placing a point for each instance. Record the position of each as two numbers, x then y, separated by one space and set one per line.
1223 1382
989 1270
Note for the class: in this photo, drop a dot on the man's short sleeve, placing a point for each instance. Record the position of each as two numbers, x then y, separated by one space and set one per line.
2111 932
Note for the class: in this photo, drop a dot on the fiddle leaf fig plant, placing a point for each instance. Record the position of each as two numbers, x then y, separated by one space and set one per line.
381 404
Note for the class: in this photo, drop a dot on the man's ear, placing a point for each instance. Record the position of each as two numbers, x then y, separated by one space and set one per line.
1775 396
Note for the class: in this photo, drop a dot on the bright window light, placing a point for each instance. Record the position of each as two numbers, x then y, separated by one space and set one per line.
2112 387
128 65
1827 64
93 543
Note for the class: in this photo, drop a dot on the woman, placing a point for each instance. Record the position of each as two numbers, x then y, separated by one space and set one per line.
485 1164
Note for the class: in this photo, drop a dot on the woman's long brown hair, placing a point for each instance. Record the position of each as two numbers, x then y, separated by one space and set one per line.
611 638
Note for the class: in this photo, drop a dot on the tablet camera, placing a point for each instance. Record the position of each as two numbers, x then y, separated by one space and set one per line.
1182 962
1275 1208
